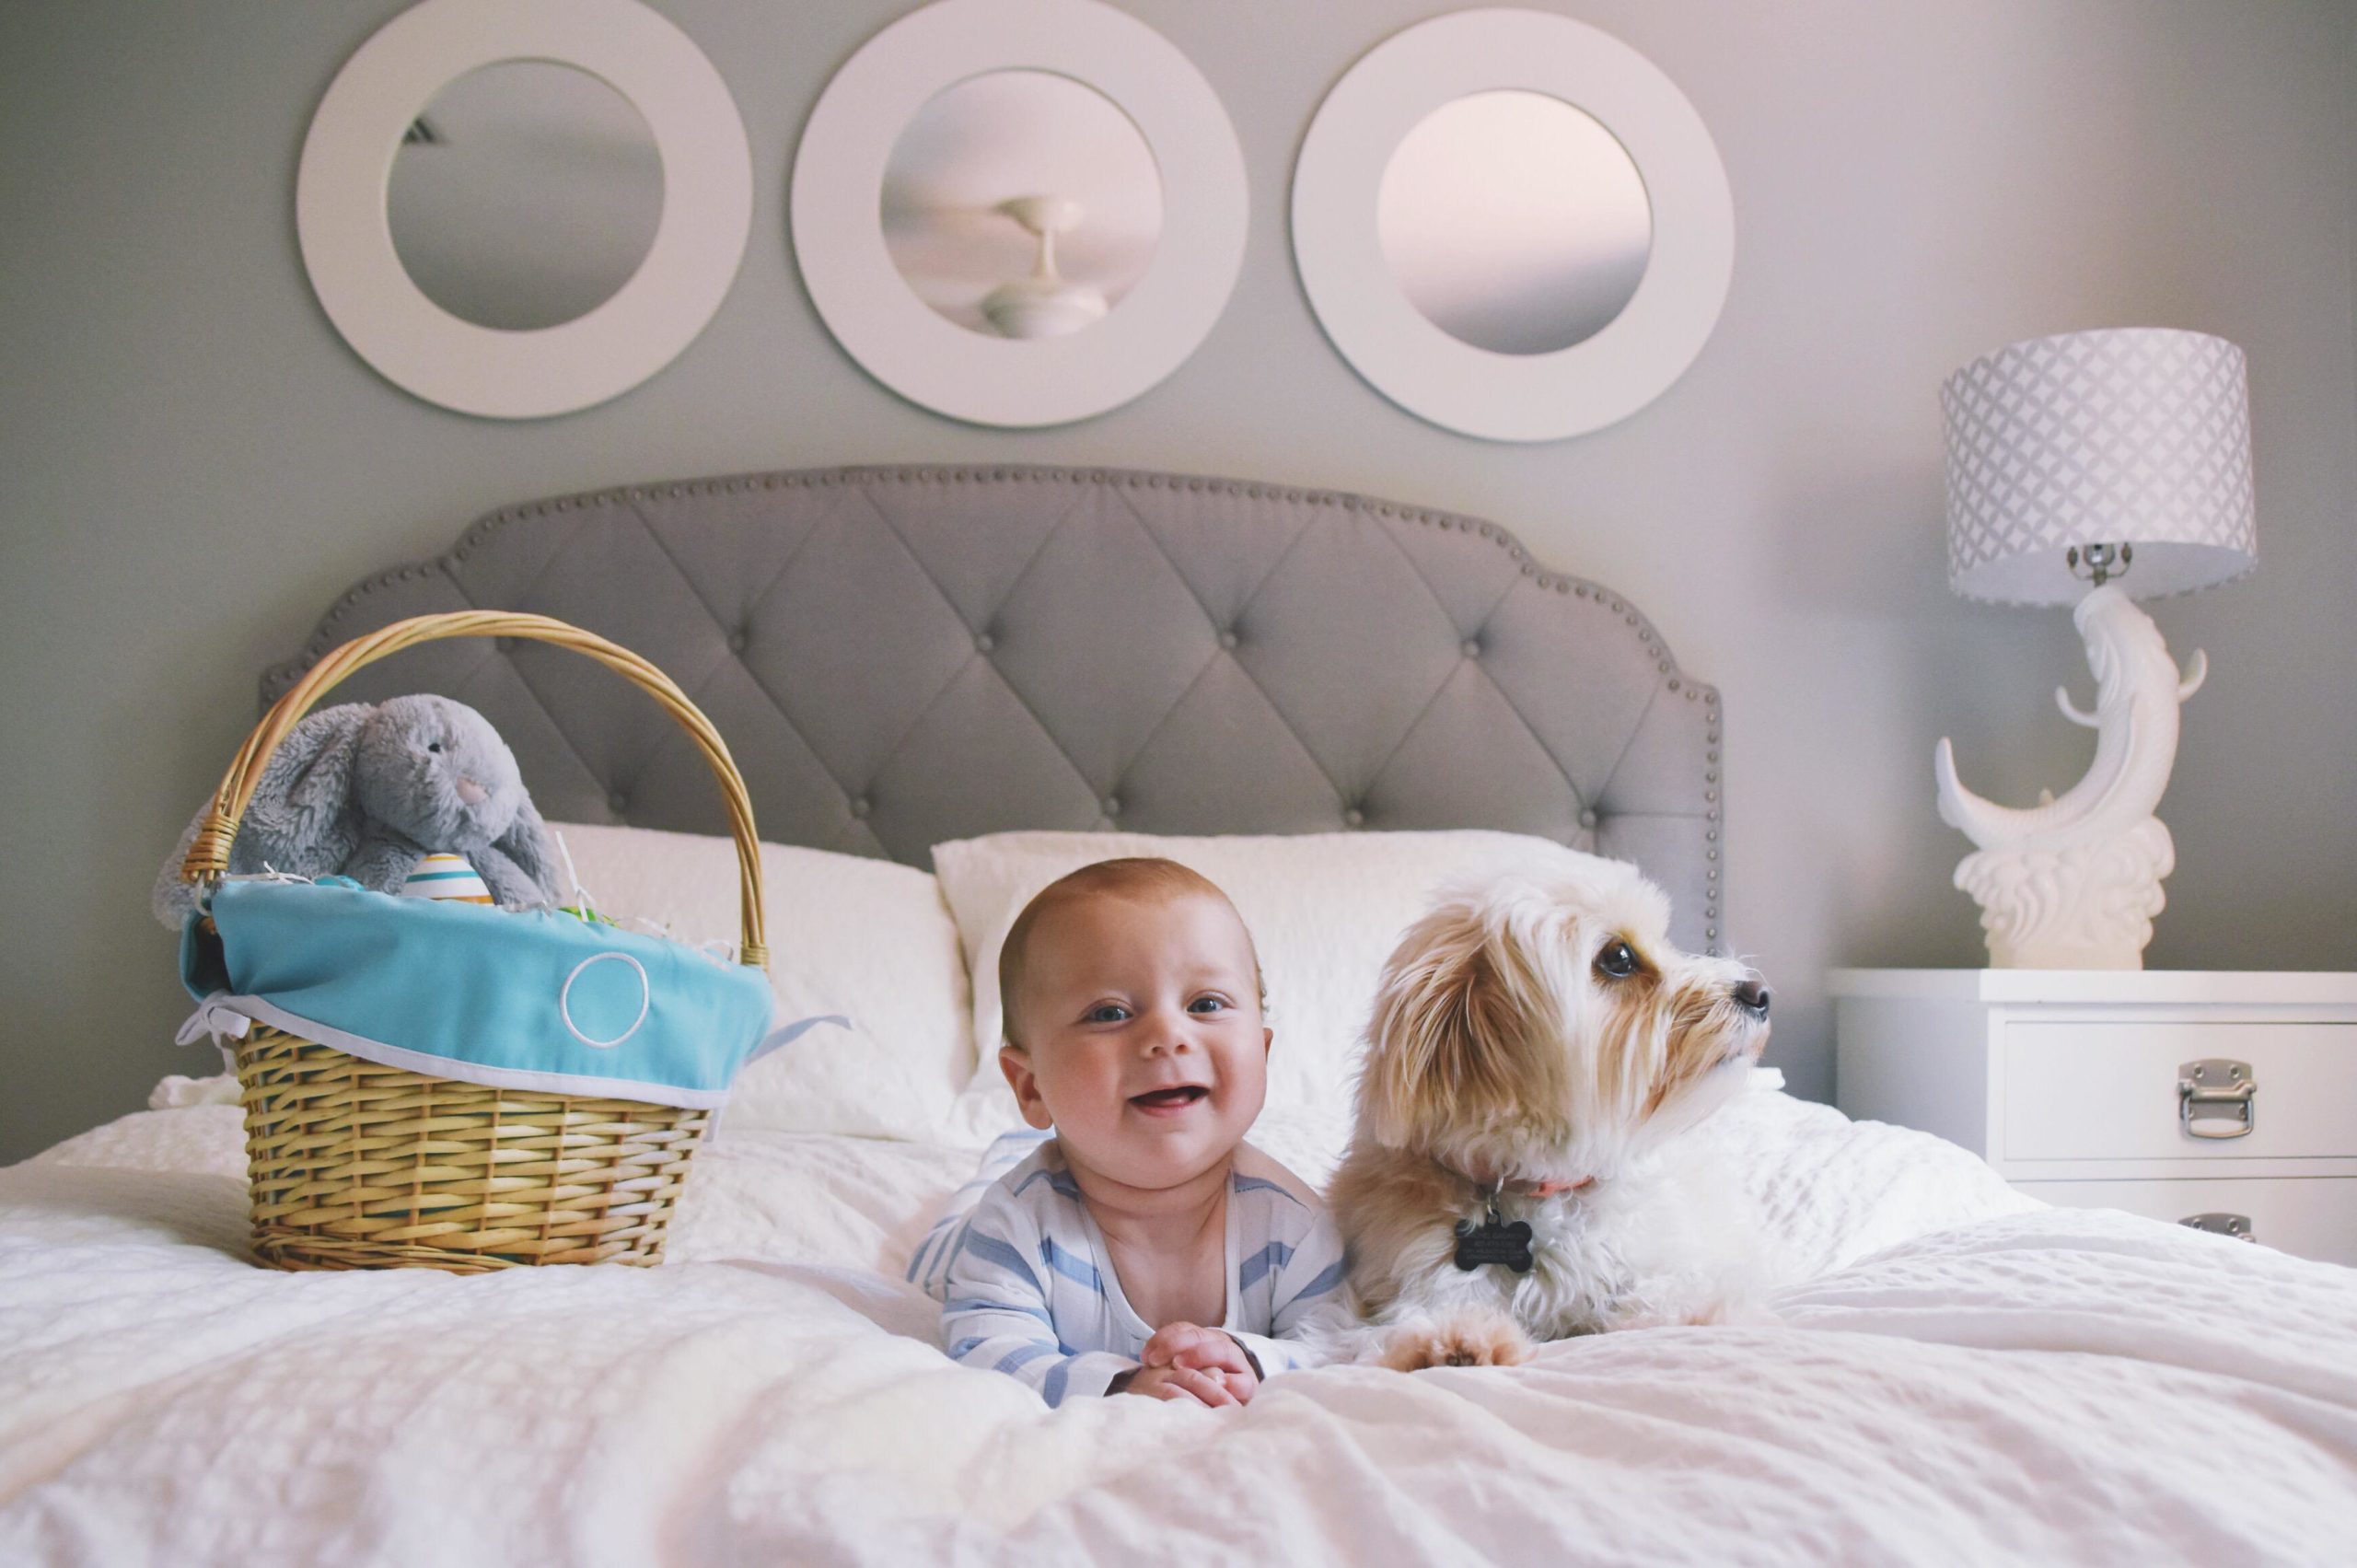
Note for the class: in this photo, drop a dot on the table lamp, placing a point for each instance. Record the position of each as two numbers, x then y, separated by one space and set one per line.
2102 468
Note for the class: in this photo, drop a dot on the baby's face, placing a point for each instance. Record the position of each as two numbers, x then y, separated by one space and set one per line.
1143 1044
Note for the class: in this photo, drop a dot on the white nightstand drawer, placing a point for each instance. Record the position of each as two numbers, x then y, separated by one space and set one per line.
2077 1090
2314 1216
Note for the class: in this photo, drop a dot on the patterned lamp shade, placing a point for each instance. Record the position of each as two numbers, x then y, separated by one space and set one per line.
2138 436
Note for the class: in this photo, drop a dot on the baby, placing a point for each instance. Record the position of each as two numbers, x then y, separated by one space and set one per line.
1145 1248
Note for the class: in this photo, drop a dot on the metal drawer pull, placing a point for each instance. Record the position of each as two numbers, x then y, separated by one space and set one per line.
2215 1091
2235 1226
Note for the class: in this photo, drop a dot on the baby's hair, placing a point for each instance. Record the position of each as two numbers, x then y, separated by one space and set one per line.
1138 877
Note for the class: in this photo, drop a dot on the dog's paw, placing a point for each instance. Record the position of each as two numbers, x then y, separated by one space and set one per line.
1469 1339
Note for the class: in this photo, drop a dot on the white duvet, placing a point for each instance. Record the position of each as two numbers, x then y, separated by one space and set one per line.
1963 1377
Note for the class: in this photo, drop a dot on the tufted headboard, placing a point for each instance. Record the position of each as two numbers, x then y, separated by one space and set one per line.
900 655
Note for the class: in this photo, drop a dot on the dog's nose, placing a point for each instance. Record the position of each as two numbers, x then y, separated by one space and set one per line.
470 792
1752 997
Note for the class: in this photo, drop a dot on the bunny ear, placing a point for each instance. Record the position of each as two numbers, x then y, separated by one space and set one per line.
300 819
527 843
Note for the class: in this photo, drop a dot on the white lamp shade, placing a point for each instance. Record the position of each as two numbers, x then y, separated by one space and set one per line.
2138 436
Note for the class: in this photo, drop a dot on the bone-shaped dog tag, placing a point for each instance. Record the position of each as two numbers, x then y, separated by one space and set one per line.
1493 1242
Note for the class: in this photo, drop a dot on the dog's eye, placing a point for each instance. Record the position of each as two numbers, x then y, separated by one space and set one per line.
433 746
1616 960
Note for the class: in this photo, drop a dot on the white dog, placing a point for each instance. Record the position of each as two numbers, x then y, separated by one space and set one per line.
1536 1045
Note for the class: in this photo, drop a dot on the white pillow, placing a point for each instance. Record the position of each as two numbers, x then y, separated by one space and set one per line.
1325 910
869 939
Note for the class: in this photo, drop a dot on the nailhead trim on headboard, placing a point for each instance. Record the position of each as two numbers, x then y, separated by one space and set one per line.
706 534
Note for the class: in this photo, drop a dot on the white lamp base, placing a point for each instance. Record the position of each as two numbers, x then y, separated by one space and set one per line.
2075 883
2089 907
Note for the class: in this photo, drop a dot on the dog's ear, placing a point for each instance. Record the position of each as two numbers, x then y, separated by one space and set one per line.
1456 1043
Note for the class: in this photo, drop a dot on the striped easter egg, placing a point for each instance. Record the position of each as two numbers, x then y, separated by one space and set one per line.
445 877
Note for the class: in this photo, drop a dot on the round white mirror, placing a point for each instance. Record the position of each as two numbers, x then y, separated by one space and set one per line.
1514 222
1513 225
1021 204
588 226
1018 212
525 195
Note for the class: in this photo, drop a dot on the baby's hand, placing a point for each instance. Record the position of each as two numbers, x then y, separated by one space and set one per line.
1186 1347
1180 1383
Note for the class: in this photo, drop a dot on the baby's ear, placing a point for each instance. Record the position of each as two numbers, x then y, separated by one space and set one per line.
1016 1063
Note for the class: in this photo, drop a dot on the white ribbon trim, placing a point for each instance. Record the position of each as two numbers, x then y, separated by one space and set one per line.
221 1014
225 1018
215 1019
794 1032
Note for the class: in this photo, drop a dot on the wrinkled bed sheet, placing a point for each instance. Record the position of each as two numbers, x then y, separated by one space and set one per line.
1959 1377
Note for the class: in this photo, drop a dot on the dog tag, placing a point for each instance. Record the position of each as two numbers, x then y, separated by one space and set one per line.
1493 1242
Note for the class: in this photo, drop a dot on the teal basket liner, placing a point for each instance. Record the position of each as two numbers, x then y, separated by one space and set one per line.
531 1000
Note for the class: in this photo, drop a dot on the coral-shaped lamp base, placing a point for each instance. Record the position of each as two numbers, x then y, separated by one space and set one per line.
2075 883
2086 907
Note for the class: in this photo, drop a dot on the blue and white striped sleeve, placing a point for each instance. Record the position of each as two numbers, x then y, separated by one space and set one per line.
1308 1297
996 1315
930 1267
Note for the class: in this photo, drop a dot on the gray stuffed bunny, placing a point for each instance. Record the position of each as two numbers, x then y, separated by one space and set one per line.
367 792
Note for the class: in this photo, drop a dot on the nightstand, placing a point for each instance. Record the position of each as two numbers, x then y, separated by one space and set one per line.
2225 1100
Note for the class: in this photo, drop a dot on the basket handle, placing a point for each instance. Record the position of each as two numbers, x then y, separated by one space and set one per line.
208 858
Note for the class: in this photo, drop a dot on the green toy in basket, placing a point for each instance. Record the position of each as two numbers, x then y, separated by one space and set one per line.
433 1082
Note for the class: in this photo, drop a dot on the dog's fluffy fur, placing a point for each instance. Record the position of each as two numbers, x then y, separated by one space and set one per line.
1502 1052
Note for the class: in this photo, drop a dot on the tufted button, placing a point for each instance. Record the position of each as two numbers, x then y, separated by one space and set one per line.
1354 818
737 641
1472 648
1113 806
1587 816
860 807
618 802
984 643
1227 639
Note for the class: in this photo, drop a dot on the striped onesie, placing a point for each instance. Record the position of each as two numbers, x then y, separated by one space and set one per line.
1031 1291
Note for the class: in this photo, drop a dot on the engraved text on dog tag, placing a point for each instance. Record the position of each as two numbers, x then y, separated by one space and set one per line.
1493 1242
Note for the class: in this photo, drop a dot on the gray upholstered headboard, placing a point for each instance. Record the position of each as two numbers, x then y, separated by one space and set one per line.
900 655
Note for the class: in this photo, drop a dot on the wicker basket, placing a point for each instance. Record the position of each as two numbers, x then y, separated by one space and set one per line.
353 1164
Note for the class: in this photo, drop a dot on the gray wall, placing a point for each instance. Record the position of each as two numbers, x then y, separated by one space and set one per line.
191 463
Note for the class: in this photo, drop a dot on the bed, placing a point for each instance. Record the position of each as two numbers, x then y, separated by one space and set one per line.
910 657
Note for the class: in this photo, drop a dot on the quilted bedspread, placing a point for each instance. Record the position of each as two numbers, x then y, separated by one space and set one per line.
1959 1377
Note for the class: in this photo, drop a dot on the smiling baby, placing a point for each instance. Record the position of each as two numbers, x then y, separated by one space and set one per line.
1145 1248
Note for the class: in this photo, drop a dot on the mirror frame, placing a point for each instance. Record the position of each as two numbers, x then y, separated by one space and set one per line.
339 214
837 221
1418 365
